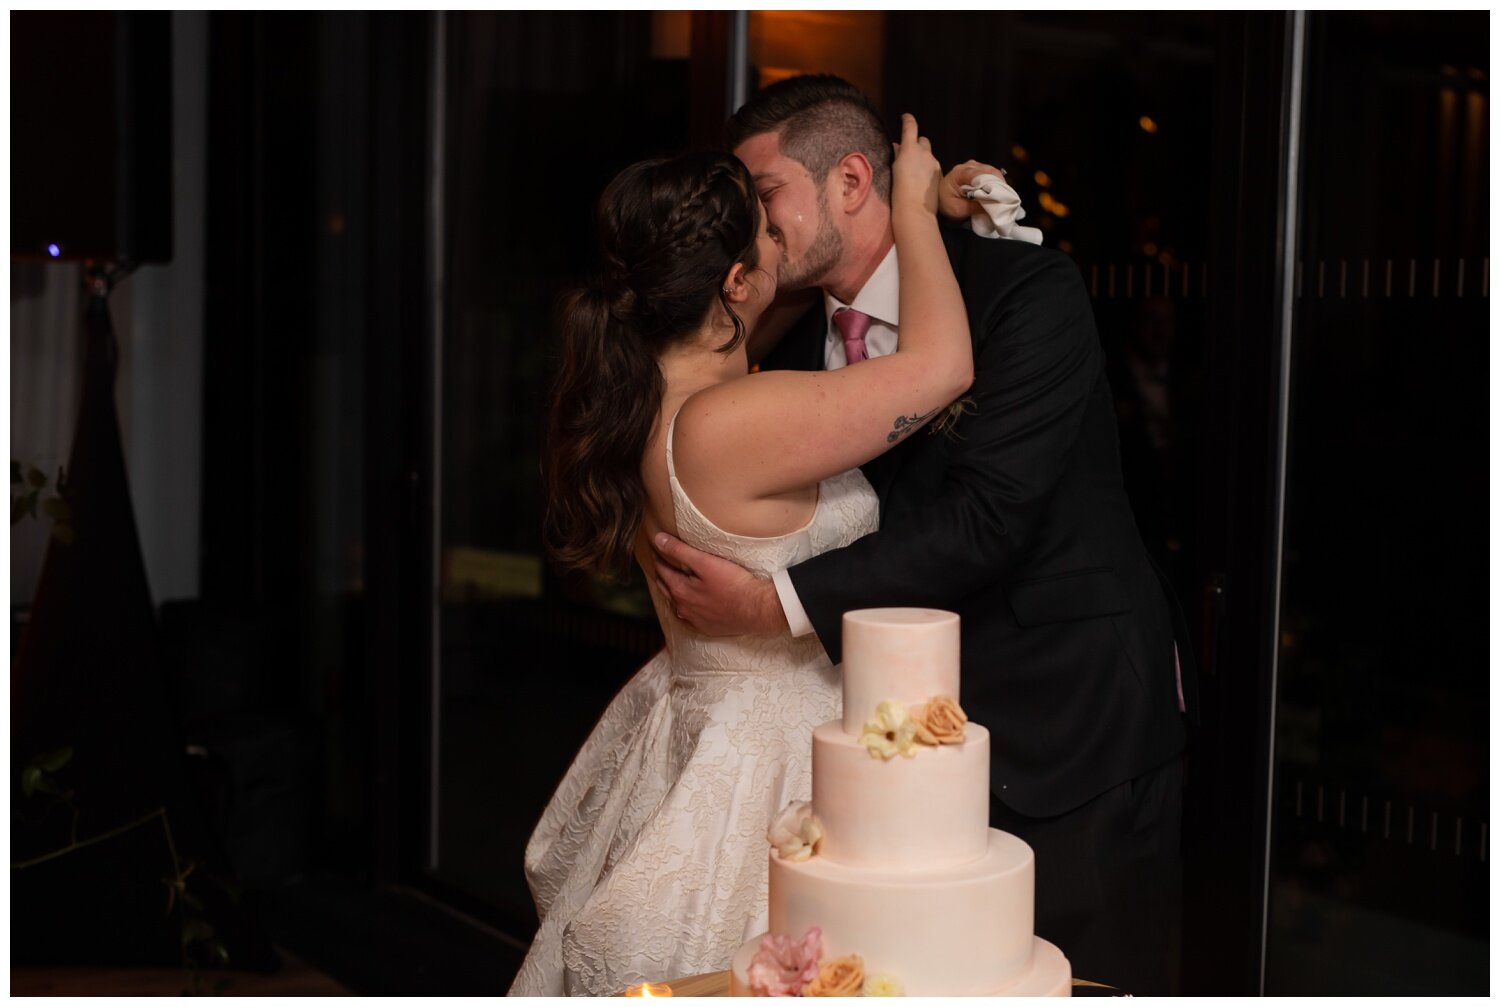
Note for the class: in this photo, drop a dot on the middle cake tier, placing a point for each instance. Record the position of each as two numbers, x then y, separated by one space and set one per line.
928 811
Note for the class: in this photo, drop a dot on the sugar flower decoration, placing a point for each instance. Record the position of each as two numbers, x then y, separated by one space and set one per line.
796 833
942 720
883 986
839 977
892 732
782 967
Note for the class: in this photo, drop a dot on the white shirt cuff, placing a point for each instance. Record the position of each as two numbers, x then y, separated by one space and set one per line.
796 615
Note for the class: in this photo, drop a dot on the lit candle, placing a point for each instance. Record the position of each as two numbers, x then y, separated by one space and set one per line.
649 990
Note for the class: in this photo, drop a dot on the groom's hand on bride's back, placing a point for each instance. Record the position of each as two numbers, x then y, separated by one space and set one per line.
712 595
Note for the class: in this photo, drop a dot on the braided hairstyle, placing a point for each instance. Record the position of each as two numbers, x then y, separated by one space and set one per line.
669 231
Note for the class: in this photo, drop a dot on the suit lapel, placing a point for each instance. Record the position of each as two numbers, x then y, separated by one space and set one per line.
882 470
885 471
801 349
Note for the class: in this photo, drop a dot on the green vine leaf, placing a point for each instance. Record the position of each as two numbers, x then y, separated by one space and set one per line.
26 485
54 760
196 930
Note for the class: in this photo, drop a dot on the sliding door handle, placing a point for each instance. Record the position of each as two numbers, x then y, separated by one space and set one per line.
1215 605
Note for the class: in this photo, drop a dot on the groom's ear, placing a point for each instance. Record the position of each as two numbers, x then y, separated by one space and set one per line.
856 181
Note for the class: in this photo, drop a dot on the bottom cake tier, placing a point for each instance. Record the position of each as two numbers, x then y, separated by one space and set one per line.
1047 975
958 930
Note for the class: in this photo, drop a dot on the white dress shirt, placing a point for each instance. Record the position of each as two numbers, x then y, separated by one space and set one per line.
880 298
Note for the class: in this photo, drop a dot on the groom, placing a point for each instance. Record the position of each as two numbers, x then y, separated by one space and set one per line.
1015 517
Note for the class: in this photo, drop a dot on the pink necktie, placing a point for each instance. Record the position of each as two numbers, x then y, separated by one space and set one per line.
852 326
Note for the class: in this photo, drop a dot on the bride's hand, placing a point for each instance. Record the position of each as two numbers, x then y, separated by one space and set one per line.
915 173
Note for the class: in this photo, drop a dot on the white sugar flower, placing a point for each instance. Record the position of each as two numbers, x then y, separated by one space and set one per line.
797 831
893 732
883 986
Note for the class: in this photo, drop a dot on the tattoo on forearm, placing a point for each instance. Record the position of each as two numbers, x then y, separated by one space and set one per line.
906 424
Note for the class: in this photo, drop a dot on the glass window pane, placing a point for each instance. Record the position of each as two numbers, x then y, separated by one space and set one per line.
1379 877
543 109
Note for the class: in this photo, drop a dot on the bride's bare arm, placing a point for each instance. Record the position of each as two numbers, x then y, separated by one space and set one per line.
779 432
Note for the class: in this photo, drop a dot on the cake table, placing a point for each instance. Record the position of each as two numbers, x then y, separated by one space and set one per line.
716 984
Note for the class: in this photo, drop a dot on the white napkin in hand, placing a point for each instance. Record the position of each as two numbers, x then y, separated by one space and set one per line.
1002 208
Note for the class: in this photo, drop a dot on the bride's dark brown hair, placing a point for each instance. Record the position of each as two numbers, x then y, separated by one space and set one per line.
669 231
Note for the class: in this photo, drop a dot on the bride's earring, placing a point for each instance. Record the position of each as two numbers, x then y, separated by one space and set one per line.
728 291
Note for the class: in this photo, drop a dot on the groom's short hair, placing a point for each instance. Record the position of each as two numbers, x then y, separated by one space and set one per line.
821 119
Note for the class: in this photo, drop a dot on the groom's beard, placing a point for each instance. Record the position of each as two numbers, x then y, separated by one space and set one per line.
827 248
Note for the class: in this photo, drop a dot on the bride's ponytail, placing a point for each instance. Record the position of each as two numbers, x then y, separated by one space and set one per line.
605 399
669 230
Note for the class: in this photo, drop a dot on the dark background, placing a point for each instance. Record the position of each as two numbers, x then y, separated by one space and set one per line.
390 680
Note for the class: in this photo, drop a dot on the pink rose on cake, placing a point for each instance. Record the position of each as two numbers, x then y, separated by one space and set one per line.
783 966
942 720
893 732
796 833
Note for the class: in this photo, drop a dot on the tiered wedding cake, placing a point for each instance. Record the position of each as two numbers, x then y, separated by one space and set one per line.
891 881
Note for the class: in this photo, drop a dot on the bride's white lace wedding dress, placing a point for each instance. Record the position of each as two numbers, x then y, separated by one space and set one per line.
649 862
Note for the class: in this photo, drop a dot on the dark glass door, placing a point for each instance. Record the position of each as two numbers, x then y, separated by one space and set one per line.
540 111
1378 869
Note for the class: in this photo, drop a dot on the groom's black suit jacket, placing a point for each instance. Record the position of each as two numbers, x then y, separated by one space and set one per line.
1018 521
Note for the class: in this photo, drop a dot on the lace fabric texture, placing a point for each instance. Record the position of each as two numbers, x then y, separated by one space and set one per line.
649 863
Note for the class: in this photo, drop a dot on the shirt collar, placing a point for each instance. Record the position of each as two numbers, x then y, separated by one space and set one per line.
880 297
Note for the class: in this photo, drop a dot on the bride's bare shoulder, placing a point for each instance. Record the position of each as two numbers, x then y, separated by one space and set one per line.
722 452
721 415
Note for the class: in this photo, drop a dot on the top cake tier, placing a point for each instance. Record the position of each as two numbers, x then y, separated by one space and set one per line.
906 654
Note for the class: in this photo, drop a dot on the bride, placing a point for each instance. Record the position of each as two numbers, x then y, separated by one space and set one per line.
649 862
